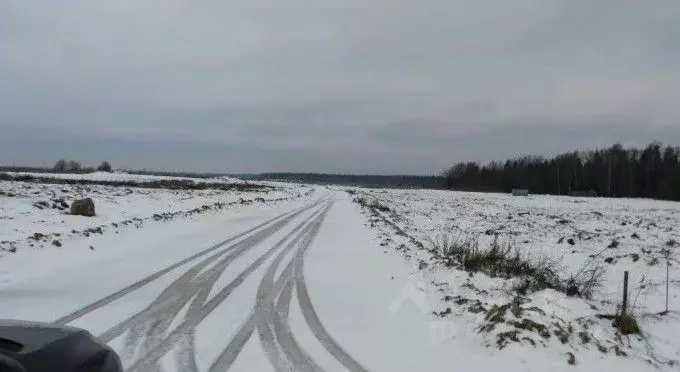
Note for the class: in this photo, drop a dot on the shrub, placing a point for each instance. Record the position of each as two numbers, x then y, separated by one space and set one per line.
504 260
500 260
626 324
586 282
452 250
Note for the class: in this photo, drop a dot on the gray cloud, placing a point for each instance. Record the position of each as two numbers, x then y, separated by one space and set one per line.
345 86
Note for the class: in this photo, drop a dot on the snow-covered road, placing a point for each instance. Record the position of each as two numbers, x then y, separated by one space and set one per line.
178 299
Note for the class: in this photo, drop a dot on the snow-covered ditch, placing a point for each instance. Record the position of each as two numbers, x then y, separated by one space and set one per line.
570 238
35 215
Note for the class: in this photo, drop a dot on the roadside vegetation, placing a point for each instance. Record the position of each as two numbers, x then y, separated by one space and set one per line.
502 259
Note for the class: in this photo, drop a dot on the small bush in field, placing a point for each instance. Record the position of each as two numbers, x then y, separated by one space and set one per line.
626 324
500 260
504 260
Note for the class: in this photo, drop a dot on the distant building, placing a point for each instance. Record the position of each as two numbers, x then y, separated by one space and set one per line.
520 192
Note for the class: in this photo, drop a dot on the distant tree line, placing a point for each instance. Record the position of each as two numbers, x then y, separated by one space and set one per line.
353 180
651 172
62 165
148 172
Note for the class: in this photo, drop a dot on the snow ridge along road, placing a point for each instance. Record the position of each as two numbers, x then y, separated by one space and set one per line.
150 334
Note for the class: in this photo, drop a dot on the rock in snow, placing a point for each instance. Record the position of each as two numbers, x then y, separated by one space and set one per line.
83 207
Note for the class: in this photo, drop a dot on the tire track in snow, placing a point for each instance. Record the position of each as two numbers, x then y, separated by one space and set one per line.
315 324
239 340
272 322
197 289
276 337
178 334
114 296
186 345
274 329
186 348
149 326
267 292
278 322
173 294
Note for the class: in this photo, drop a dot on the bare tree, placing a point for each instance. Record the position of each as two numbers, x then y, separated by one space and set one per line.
61 165
74 166
105 166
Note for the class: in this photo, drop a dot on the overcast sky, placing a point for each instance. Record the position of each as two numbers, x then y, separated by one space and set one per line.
380 86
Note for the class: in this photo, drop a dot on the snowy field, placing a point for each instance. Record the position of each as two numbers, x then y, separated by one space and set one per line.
296 277
36 215
578 236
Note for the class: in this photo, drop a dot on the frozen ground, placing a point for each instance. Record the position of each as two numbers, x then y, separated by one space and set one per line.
307 279
578 234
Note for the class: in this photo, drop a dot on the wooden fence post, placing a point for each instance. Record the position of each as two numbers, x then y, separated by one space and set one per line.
625 293
668 265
